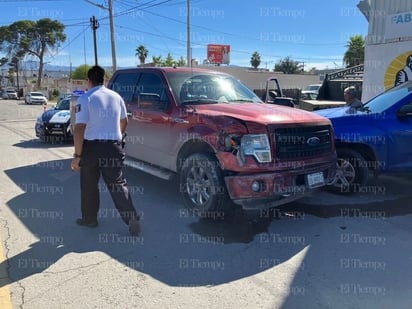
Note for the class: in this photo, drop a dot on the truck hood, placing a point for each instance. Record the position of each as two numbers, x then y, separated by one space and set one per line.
260 112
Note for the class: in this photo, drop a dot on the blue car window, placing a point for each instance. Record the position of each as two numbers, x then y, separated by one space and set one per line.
385 100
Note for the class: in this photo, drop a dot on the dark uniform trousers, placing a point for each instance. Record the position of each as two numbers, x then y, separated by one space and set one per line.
104 158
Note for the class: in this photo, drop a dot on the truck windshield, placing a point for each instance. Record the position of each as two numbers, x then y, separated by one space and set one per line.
206 88
388 98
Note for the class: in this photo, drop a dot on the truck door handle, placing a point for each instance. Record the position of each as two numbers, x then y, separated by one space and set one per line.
179 120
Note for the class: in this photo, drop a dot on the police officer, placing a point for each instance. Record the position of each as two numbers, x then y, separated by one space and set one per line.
101 122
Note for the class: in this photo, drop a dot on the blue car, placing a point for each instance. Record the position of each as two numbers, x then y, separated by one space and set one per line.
375 138
55 122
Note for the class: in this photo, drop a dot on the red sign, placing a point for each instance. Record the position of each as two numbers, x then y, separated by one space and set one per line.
218 54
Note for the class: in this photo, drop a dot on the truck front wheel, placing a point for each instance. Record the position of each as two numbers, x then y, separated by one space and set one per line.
351 172
202 186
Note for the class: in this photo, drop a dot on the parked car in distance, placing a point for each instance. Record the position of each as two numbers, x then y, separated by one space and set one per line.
10 94
55 122
224 145
310 92
35 97
375 138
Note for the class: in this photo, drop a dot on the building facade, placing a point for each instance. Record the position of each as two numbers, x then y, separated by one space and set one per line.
388 45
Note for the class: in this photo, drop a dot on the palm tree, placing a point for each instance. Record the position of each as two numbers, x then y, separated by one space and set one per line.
142 53
169 61
255 60
181 62
355 54
157 61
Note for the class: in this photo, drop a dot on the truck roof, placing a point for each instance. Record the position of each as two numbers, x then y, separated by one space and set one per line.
174 69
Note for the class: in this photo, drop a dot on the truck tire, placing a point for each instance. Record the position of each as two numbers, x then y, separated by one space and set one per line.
202 186
351 172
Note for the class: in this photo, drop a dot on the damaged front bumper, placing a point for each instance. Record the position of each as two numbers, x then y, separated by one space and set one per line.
268 190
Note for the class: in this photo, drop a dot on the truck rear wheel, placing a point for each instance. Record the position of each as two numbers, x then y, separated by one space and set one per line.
202 186
351 172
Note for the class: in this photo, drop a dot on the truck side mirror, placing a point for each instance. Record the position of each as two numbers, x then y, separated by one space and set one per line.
405 111
148 100
272 90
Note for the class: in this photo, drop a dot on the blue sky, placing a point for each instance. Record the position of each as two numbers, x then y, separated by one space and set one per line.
314 32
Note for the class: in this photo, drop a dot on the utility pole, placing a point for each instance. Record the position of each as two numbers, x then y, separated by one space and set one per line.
17 77
94 23
189 54
112 36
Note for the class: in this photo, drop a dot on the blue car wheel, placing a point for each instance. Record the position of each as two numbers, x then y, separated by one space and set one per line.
351 172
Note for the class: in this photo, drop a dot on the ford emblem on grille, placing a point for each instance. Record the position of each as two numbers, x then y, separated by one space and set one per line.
313 141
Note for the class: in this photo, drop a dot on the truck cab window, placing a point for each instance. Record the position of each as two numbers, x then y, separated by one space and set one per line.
152 93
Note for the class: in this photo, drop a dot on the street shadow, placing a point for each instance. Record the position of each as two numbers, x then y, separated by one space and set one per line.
336 257
177 247
52 141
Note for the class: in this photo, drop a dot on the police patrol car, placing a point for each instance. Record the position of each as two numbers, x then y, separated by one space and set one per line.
55 122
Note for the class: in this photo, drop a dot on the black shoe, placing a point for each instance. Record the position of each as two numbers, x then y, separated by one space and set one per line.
134 227
83 222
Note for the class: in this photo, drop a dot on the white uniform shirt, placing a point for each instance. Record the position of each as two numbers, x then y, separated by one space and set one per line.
101 110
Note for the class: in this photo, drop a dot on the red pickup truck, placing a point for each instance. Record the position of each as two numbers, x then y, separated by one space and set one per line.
222 142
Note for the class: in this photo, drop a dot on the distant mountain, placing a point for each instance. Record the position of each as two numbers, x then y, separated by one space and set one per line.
64 68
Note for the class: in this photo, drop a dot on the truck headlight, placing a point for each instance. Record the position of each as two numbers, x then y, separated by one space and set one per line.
256 145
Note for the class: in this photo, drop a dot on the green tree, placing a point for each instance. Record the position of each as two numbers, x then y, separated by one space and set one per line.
289 66
142 53
32 38
13 69
157 61
355 53
169 61
255 60
181 62
81 72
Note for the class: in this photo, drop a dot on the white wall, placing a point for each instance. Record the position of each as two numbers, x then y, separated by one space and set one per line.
388 43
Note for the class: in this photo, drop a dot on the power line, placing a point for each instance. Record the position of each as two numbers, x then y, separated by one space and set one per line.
148 7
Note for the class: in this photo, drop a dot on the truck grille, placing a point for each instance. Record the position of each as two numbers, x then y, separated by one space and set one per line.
302 142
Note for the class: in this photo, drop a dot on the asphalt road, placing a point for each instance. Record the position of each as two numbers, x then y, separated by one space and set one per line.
324 251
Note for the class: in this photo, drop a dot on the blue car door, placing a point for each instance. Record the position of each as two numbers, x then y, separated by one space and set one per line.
400 155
